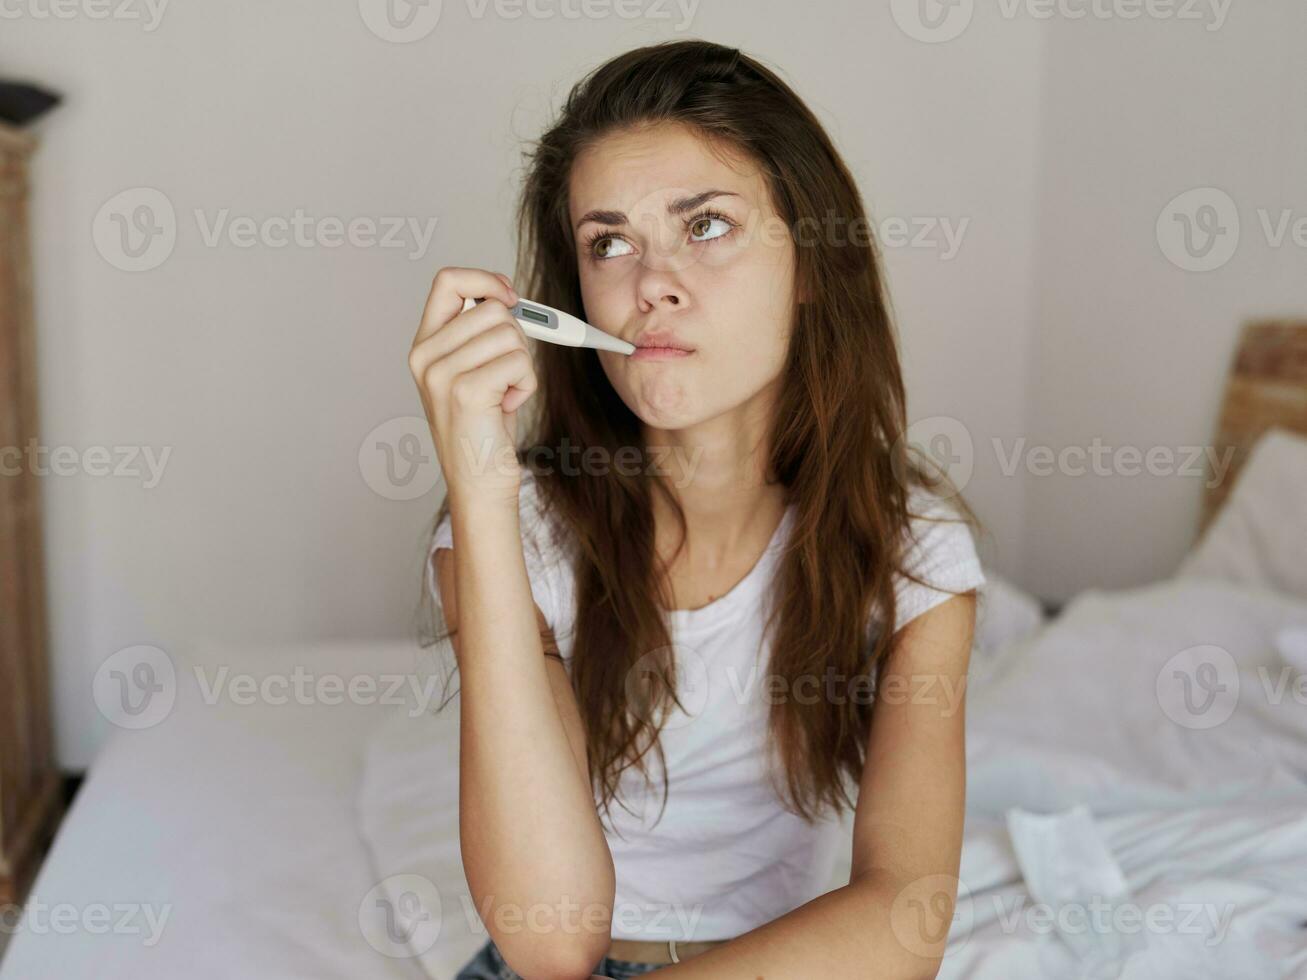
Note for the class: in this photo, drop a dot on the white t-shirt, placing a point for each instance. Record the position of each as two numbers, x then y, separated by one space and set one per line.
726 856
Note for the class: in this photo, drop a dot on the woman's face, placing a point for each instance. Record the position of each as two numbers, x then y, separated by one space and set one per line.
715 270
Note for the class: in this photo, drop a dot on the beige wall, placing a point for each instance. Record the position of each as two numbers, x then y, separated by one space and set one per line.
1130 347
262 371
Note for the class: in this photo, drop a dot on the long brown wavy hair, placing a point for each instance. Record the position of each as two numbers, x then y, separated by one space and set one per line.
837 442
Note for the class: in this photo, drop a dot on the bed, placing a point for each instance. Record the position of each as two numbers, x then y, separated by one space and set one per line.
320 840
234 823
1145 754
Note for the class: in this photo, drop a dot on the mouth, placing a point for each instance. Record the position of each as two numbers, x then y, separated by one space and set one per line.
650 353
660 344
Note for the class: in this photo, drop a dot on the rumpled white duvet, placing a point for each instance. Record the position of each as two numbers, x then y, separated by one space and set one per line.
1141 761
1137 796
1161 733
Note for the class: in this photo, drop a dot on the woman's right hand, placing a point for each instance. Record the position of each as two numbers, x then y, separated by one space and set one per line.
474 371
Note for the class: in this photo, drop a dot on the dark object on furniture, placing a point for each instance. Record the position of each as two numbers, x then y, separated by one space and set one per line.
20 103
30 788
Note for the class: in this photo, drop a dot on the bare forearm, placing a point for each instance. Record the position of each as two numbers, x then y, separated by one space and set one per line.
533 849
869 928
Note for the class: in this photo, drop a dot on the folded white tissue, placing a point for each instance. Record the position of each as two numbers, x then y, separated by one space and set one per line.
1070 871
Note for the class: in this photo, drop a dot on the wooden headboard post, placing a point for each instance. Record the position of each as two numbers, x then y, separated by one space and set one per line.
1267 388
30 799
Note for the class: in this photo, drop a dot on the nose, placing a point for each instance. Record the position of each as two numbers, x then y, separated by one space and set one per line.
659 289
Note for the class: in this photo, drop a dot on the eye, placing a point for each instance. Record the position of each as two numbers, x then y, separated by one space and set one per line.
703 225
602 245
706 226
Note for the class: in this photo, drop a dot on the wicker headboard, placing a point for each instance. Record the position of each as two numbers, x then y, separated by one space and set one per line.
1267 387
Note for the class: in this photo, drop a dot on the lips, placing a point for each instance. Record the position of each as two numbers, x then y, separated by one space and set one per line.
662 339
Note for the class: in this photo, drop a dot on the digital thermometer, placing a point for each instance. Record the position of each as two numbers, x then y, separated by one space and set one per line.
556 327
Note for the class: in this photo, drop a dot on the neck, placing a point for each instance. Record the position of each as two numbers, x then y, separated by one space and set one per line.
718 474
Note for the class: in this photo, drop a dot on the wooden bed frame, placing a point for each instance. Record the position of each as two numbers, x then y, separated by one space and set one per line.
30 797
1267 388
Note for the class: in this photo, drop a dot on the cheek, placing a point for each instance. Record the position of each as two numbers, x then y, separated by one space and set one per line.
591 296
606 303
755 308
753 285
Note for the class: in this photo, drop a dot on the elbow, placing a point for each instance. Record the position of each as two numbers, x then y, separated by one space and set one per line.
562 938
541 959
910 945
911 966
920 963
567 953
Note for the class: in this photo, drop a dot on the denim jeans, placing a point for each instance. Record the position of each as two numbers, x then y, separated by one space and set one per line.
489 965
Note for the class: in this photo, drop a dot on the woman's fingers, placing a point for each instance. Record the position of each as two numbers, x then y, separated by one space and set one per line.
450 287
482 347
451 342
493 382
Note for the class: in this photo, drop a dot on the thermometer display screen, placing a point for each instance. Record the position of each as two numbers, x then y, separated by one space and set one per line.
535 315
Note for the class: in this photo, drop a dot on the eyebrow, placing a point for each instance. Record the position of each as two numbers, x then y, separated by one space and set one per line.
679 206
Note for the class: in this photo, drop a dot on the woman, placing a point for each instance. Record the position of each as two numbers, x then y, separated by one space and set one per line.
716 555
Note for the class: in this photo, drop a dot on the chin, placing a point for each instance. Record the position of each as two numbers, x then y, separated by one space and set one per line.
663 416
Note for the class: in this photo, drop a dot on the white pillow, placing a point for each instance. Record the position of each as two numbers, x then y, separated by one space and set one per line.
1005 615
1259 536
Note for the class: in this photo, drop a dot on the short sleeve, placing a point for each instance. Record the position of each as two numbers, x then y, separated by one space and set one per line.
539 549
940 552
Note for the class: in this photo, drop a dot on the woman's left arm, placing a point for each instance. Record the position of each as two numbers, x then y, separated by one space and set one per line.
892 919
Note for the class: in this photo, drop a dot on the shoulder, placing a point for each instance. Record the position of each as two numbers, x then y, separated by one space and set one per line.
939 550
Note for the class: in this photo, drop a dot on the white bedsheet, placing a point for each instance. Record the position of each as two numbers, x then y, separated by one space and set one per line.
239 821
1205 814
